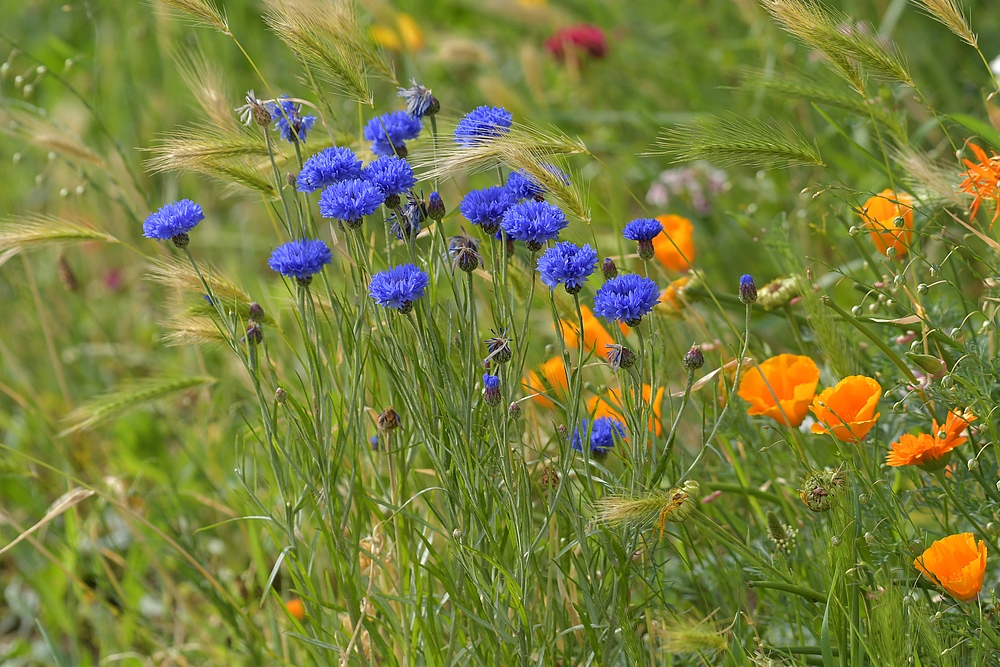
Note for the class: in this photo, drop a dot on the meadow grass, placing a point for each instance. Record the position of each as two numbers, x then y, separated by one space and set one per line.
206 462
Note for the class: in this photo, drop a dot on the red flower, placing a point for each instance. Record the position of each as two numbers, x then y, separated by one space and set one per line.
580 38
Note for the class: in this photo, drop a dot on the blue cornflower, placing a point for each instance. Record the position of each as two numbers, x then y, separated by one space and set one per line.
482 124
567 263
486 208
534 222
173 221
300 259
327 167
521 186
491 390
390 131
290 122
643 230
398 287
748 290
420 101
627 298
602 436
392 175
350 201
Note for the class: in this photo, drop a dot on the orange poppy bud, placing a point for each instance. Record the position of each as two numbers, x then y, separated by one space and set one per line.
781 388
957 564
296 609
889 219
847 410
674 248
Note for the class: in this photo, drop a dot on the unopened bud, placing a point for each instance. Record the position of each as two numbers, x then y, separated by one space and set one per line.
694 359
608 268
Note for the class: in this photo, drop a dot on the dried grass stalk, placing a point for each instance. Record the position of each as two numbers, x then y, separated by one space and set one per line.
40 230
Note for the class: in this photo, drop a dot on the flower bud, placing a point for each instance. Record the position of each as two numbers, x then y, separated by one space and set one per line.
694 359
256 312
620 356
748 290
491 390
255 334
280 395
514 410
608 268
388 420
435 207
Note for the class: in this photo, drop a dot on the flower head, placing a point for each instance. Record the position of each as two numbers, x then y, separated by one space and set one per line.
595 336
582 38
643 230
534 222
392 175
982 181
521 186
420 101
483 124
847 410
498 348
464 251
930 451
956 563
435 207
300 259
550 379
327 167
781 388
290 122
568 264
173 221
485 208
626 298
351 201
407 225
674 248
398 287
602 436
889 219
748 290
491 390
390 132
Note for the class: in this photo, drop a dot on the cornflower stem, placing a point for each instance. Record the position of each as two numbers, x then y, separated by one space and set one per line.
396 493
434 148
577 385
522 337
729 399
802 592
470 343
943 481
278 185
668 448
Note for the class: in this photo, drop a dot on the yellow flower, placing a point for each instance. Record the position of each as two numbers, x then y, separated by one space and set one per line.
847 410
781 388
674 248
957 564
880 214
550 379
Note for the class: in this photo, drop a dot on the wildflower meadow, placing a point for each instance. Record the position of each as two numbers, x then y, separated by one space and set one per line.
508 332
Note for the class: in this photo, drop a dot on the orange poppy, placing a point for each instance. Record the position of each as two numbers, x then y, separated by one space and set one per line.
929 451
957 564
672 298
781 388
296 609
982 181
550 379
881 213
674 248
595 336
847 409
610 405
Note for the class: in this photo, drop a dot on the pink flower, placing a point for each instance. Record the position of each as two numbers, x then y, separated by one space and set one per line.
582 38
